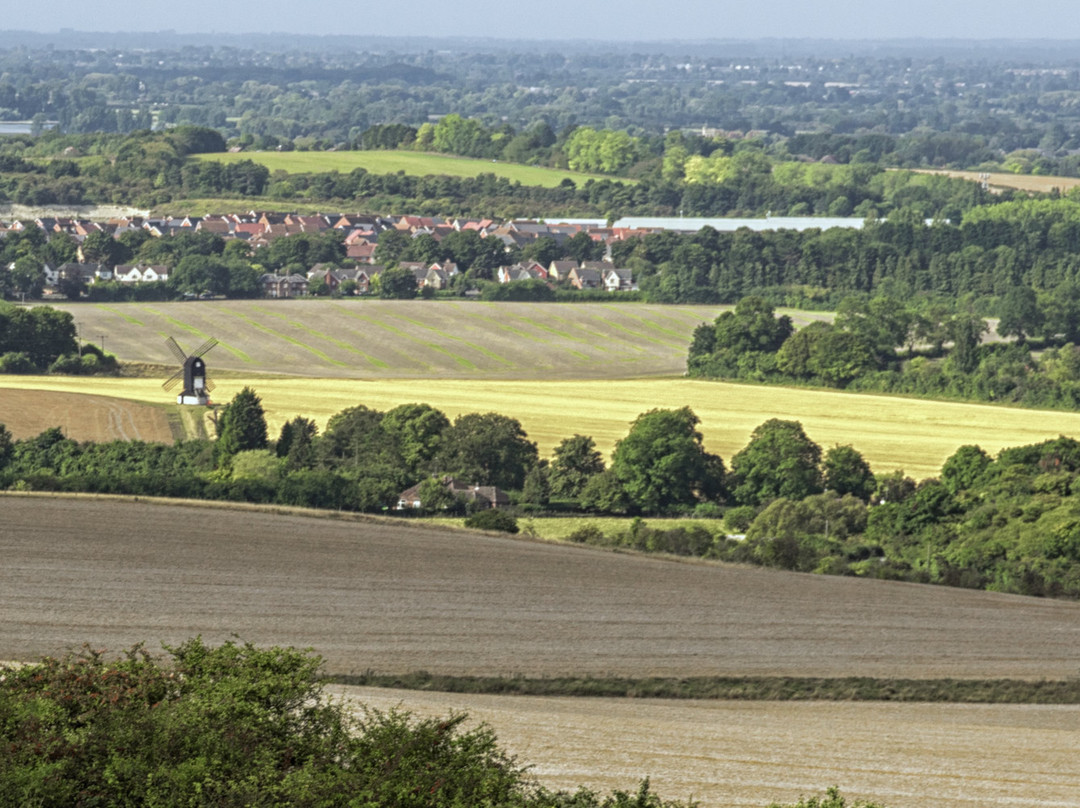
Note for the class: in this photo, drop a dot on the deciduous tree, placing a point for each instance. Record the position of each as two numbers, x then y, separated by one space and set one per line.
662 462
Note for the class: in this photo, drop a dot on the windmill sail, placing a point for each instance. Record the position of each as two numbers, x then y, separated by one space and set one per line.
192 372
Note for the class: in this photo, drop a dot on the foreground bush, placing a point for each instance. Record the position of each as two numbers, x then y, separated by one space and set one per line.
239 726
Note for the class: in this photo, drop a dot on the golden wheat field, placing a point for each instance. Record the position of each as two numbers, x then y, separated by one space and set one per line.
911 434
1021 182
738 755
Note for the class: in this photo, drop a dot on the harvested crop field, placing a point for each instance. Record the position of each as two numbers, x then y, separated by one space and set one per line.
912 434
396 597
1021 182
384 339
83 417
728 754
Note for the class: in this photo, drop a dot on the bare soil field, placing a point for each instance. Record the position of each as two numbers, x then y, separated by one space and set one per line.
735 755
83 417
912 434
394 597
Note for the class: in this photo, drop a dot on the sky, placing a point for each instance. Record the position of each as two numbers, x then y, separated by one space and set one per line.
636 20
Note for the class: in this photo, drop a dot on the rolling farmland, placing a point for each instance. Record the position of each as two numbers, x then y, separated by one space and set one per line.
27 413
741 755
1021 182
391 596
414 163
406 339
911 434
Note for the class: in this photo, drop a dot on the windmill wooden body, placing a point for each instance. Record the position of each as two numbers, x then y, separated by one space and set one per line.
192 372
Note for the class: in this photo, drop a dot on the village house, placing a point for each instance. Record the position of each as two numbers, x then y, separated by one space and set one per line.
484 496
283 286
140 273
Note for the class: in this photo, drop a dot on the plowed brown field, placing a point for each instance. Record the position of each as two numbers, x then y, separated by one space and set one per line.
738 754
398 597
83 417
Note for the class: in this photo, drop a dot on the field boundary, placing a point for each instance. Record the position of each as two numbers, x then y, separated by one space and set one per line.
756 688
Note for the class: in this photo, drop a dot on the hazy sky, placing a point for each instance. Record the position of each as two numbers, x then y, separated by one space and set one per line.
599 19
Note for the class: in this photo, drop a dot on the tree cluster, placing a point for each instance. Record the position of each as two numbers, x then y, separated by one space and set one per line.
888 345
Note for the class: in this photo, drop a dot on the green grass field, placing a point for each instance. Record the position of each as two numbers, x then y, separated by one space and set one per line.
413 163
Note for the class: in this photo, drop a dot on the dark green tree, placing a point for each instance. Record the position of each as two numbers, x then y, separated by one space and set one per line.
964 468
662 463
101 248
884 323
397 284
356 443
845 471
27 277
487 449
1019 314
435 495
393 246
241 425
574 462
7 446
965 331
296 443
418 430
536 490
779 461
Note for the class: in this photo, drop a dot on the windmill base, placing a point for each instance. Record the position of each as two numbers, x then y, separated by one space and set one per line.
198 399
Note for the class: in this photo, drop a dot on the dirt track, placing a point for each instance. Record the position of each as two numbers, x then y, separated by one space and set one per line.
399 597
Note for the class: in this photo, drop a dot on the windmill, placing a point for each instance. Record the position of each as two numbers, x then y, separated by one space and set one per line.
192 373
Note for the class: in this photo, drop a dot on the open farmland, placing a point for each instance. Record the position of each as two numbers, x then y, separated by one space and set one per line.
392 596
414 163
375 594
751 754
27 413
1021 182
911 434
406 339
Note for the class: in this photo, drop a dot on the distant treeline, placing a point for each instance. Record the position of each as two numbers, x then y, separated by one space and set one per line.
1034 243
677 173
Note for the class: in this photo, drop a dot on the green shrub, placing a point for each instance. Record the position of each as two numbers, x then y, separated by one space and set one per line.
238 726
587 534
832 799
17 362
493 519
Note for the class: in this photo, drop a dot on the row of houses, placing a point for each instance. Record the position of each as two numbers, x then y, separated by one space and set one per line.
440 275
360 231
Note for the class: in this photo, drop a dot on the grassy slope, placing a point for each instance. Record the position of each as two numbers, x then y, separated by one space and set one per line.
414 163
